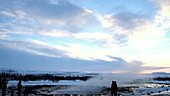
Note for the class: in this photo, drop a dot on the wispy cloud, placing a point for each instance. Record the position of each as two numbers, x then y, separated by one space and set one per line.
17 14
23 59
61 15
34 47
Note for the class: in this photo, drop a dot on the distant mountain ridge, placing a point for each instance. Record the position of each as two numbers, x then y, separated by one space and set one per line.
160 73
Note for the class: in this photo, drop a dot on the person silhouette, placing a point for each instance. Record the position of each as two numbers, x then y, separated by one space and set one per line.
12 92
1 83
114 88
19 85
4 86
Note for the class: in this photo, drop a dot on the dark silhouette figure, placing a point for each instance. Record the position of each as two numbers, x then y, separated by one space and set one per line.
4 86
19 85
114 88
12 92
26 91
1 82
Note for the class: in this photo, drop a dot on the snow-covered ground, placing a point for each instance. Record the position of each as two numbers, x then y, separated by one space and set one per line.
45 82
100 86
81 87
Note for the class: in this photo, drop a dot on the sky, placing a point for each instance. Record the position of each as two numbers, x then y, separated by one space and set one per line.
118 36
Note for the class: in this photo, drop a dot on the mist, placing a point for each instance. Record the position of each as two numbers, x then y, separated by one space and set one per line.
105 79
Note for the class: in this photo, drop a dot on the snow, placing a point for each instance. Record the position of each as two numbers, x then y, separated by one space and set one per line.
44 82
160 82
78 87
78 90
143 85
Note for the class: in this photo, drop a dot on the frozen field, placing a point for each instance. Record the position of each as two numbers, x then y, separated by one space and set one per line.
97 86
77 88
68 88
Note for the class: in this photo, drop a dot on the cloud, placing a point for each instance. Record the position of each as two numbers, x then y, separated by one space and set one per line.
152 33
15 22
61 15
97 35
11 58
59 18
122 24
8 13
164 7
55 33
34 47
53 18
125 23
17 14
127 20
162 19
100 39
134 67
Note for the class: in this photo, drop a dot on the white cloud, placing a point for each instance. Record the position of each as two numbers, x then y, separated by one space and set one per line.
15 29
36 47
3 36
63 15
36 62
125 26
164 7
144 36
17 14
93 35
105 20
162 19
55 33
88 52
8 13
151 34
38 42
122 23
57 14
88 10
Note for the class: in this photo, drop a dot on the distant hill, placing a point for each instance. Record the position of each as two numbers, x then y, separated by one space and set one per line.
160 73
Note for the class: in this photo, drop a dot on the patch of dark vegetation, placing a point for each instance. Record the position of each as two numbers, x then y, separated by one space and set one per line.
125 89
32 89
162 78
34 77
39 90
